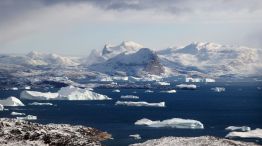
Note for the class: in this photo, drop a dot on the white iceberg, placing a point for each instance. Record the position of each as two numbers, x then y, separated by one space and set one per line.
236 128
149 91
135 136
140 103
28 117
14 88
11 101
116 90
218 89
169 91
186 86
17 114
41 103
173 123
35 95
27 87
163 83
257 133
1 107
129 97
65 93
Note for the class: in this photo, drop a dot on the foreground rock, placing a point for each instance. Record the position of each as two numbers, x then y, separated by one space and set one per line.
193 141
23 133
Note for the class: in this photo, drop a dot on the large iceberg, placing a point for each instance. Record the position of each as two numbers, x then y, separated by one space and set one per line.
186 86
173 123
129 97
140 103
257 133
65 93
236 128
11 101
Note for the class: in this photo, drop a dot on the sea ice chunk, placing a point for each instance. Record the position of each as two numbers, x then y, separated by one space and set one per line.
149 91
28 117
163 83
116 90
235 128
218 89
186 86
257 133
1 107
17 114
129 97
41 103
173 123
135 136
140 103
11 101
169 91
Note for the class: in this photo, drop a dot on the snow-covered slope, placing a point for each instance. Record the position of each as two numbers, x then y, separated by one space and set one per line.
213 59
135 63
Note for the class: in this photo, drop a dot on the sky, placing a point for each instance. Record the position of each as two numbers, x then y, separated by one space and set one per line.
75 27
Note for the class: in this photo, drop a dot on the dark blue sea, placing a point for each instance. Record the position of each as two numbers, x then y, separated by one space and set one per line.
239 105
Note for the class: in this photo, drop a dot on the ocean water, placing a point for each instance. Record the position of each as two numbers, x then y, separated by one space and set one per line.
239 105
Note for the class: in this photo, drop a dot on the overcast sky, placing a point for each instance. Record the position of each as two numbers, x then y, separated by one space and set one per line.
74 27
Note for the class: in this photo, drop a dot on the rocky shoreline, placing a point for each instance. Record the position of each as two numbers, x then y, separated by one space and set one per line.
25 133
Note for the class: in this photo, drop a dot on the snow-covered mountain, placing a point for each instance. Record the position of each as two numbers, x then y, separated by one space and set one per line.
213 59
144 61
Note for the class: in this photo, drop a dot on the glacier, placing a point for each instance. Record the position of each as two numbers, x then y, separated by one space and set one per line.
173 123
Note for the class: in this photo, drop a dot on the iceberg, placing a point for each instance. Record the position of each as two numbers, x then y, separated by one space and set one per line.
173 123
235 128
28 117
218 89
40 103
17 114
35 95
65 93
11 101
163 83
149 91
1 107
129 97
257 133
135 136
27 87
116 90
14 88
168 91
140 103
186 86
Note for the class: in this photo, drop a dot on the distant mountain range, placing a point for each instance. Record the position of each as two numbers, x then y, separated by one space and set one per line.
197 59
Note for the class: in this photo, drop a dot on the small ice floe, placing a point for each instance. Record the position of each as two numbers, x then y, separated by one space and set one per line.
169 91
135 136
129 97
27 87
17 114
11 101
186 86
28 117
140 103
218 89
14 88
173 123
1 107
41 103
257 133
149 91
236 128
163 83
116 90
